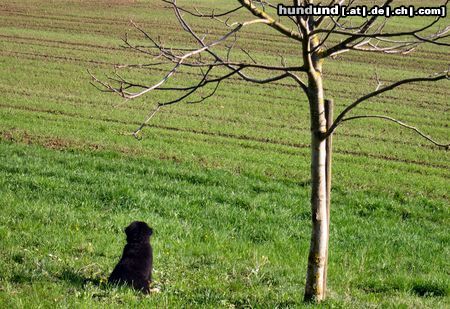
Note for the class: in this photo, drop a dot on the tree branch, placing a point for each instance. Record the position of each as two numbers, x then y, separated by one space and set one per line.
361 38
353 35
213 14
446 146
271 21
178 60
147 120
339 119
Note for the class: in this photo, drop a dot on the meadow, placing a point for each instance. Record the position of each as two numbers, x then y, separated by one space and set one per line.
224 184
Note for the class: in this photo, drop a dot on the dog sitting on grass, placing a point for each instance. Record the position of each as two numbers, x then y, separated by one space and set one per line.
135 266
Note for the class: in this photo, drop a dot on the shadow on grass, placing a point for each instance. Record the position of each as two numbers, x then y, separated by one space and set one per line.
421 289
305 183
426 289
21 278
80 281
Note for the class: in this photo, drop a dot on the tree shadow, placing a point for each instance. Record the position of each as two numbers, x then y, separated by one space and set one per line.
421 289
425 289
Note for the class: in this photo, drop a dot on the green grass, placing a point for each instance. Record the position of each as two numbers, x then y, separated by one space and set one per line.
221 238
224 184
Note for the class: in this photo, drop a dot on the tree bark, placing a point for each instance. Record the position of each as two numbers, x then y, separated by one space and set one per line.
329 106
314 289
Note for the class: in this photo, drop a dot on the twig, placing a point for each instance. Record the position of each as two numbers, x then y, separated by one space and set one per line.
442 76
446 146
147 120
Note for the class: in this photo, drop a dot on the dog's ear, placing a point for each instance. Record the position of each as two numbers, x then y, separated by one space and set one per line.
129 230
150 231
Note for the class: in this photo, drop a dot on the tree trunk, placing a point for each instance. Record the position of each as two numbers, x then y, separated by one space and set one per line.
329 146
314 289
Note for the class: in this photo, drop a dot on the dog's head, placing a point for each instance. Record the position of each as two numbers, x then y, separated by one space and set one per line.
138 231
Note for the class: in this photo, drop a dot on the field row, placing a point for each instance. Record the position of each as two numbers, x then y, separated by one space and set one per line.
56 48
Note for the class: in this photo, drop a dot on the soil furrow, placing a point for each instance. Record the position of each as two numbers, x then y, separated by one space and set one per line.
236 79
263 36
232 136
423 121
263 46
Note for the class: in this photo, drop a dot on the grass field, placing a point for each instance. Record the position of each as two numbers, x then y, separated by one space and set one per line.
224 184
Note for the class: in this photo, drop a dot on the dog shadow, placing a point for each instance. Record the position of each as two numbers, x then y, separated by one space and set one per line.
101 285
80 281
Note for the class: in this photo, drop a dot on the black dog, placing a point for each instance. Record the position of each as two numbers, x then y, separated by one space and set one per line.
135 266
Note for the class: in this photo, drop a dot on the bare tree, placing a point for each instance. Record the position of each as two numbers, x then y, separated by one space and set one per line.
318 38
